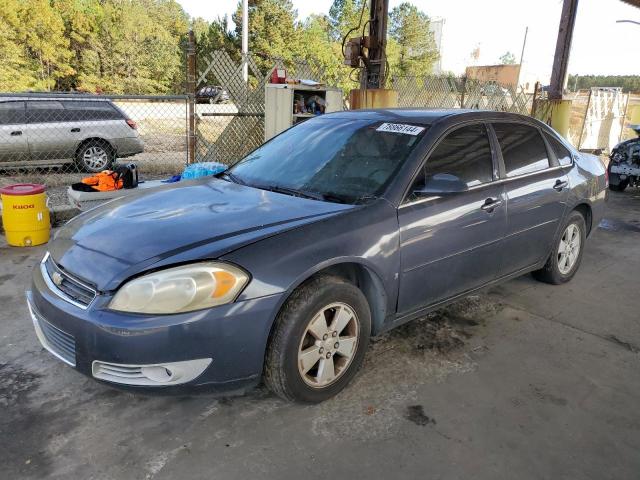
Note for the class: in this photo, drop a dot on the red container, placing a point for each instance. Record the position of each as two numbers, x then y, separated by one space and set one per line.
278 75
22 189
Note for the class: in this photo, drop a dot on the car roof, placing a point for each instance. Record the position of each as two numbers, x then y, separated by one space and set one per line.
428 116
53 96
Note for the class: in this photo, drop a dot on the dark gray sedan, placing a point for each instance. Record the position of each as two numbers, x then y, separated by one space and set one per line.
340 228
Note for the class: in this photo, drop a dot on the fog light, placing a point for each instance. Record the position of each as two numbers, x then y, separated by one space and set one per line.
160 374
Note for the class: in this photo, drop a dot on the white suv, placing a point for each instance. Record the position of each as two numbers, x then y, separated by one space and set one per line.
48 130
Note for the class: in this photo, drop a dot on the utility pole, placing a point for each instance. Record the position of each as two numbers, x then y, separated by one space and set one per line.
377 58
524 44
245 40
563 48
191 97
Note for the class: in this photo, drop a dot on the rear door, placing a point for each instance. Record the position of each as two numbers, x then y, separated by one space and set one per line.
536 188
451 243
95 119
13 138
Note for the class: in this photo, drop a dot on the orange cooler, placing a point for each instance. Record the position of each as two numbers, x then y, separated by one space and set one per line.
25 214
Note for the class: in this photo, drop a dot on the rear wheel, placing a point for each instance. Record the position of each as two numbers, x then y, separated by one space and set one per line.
319 340
95 156
565 259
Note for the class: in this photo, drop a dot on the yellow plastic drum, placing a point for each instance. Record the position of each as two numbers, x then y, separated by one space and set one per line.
25 214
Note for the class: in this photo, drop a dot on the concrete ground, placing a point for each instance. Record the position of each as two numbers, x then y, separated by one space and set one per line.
524 381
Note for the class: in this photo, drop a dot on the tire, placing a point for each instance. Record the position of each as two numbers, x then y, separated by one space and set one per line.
95 156
620 187
315 305
560 268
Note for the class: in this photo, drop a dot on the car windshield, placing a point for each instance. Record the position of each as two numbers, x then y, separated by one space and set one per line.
330 159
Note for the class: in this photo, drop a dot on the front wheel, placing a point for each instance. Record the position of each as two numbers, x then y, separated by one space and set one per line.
565 259
319 340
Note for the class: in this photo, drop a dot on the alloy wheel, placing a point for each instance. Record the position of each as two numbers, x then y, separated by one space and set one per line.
328 345
569 249
95 158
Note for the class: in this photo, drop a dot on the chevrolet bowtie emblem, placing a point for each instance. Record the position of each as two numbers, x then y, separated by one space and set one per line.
57 278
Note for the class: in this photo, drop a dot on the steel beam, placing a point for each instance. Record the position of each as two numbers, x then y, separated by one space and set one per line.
563 49
377 59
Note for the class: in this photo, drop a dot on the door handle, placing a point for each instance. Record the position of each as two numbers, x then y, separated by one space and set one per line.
75 130
16 133
490 204
560 184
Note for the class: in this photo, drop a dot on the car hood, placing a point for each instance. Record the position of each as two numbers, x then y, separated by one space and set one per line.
108 244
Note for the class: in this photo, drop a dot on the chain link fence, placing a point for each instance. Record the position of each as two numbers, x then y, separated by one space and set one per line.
58 139
230 107
460 92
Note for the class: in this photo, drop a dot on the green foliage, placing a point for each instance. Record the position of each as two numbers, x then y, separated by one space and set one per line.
318 47
272 30
115 46
347 17
34 51
628 83
138 46
415 51
507 58
215 36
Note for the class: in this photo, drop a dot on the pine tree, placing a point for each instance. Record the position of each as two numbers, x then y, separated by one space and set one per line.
415 49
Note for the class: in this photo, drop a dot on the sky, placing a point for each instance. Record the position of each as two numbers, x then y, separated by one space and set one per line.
600 45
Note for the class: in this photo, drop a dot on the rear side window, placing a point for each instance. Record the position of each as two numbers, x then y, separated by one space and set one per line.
11 113
523 149
465 153
45 111
77 110
562 154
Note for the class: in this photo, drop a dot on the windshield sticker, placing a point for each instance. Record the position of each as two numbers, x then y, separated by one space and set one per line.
400 128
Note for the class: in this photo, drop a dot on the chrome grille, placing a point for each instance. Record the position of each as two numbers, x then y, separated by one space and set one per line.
58 342
65 285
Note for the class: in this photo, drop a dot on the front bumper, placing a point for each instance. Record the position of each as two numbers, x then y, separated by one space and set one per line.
233 337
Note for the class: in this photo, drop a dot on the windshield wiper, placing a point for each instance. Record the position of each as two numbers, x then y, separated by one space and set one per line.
292 191
234 178
302 193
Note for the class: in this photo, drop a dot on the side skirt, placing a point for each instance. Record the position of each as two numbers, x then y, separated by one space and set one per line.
402 319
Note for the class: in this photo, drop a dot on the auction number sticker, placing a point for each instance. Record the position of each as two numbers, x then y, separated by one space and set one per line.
400 128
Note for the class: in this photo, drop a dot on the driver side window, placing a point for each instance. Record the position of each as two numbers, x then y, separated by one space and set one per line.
465 153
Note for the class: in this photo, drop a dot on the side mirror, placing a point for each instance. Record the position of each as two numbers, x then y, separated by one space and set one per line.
441 184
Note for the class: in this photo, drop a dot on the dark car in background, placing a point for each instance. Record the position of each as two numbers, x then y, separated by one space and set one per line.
45 130
282 267
213 94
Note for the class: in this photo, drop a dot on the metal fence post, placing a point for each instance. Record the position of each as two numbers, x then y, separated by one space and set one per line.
534 101
584 121
191 98
464 88
624 117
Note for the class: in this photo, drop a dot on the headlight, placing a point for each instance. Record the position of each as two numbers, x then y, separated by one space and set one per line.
181 289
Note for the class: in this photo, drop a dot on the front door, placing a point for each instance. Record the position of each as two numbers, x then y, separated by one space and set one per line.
13 135
49 133
450 243
536 190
